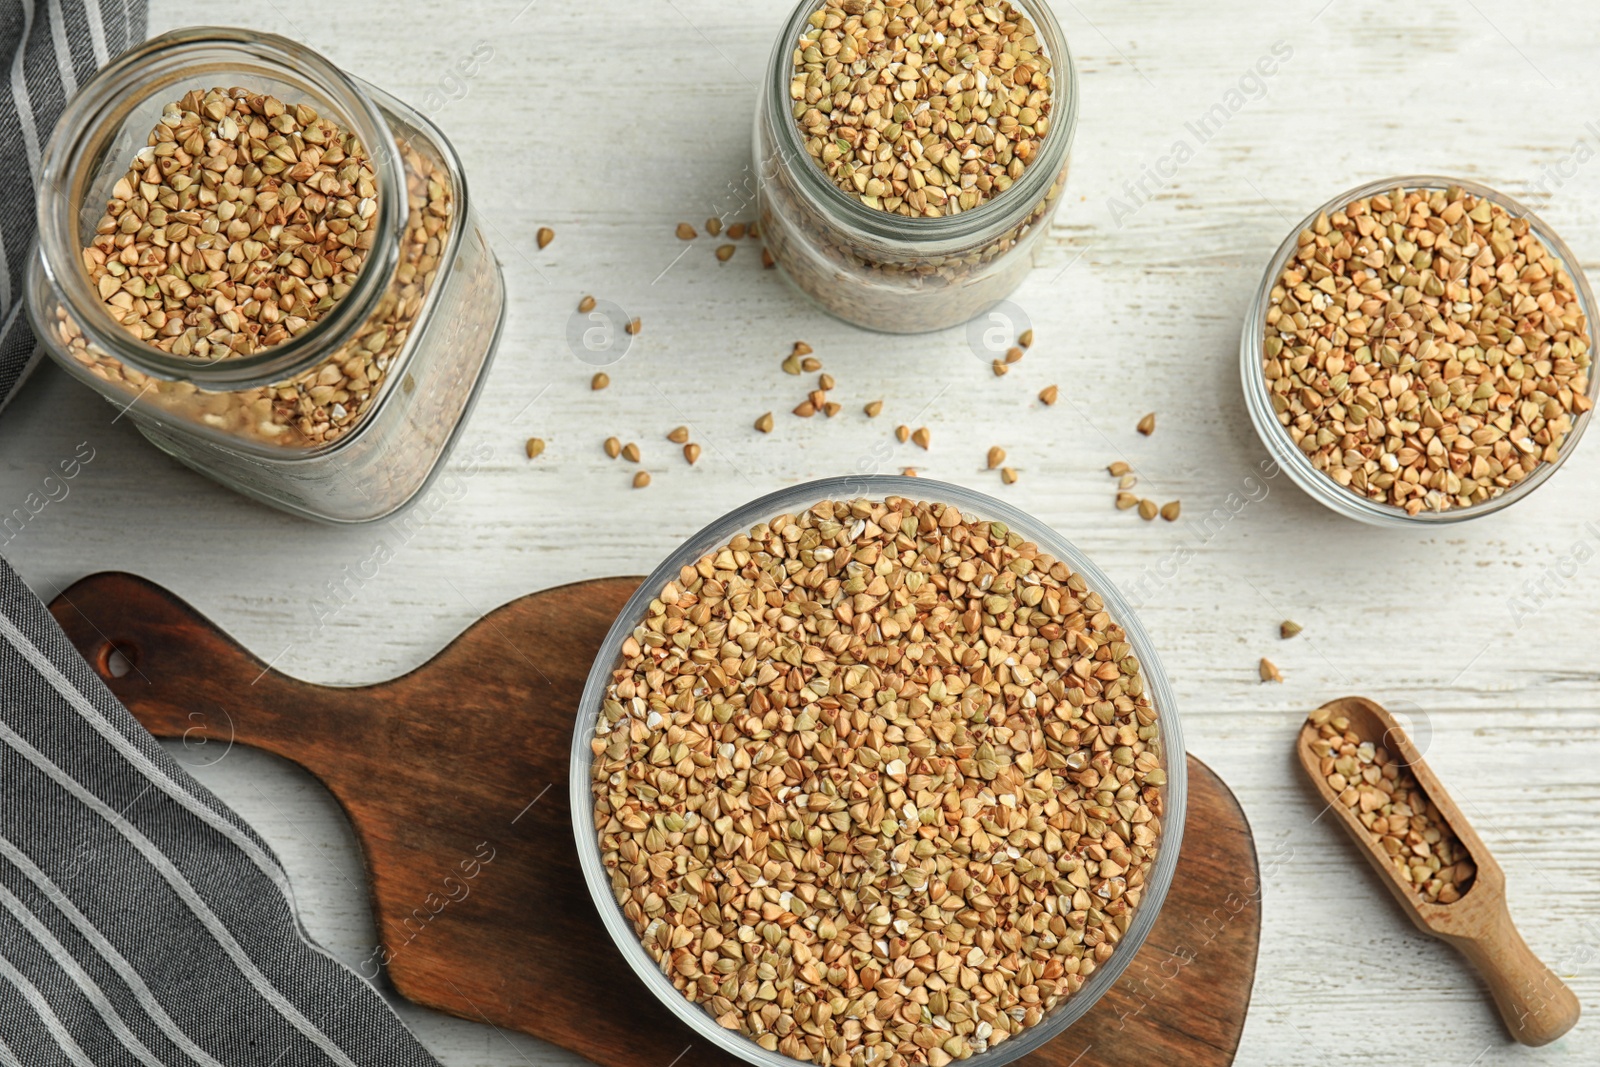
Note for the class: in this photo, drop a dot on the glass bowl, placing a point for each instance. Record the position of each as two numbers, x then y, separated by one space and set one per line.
1320 486
792 501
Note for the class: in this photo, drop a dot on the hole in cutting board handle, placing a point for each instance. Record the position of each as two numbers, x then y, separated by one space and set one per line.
117 659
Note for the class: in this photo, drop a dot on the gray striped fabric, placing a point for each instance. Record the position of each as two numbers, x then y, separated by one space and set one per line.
48 48
141 921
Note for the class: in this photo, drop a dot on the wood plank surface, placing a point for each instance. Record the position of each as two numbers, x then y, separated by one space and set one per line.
613 120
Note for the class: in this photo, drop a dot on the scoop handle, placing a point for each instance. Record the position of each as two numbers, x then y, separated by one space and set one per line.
1536 1005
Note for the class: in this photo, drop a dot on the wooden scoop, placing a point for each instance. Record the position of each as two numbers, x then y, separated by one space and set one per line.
1536 1005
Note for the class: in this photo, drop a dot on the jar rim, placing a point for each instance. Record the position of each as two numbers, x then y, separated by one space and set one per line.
1318 484
96 113
996 215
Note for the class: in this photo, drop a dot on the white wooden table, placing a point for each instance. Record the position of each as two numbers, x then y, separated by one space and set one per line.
613 120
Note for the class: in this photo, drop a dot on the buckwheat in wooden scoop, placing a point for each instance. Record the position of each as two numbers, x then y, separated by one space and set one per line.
1369 773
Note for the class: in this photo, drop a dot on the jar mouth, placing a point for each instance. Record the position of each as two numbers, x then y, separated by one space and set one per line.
998 213
82 154
1318 484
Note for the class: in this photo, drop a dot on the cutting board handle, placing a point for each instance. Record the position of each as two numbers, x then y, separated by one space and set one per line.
1536 1005
184 678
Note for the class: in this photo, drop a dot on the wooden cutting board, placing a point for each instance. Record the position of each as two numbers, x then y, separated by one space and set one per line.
455 779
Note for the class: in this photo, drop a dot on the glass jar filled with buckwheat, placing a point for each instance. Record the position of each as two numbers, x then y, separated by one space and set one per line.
1420 352
910 155
270 267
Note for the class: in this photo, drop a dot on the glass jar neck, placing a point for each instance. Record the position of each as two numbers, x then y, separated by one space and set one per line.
85 144
913 234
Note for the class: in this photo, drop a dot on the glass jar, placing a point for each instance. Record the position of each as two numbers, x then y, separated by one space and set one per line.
1272 428
890 272
345 421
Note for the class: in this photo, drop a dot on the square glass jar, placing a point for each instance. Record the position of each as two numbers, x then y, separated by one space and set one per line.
347 421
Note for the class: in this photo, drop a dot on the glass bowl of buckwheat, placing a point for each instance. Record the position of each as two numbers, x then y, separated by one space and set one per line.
877 771
1420 352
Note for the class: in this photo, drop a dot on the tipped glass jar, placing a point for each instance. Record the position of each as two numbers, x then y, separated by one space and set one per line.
906 252
333 395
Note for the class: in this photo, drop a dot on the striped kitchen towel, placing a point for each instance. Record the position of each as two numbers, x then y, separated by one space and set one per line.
49 48
141 921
